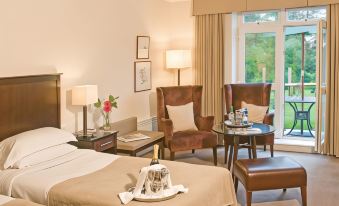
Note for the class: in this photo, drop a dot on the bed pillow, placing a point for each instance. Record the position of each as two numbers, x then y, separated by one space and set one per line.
44 155
26 143
182 117
256 113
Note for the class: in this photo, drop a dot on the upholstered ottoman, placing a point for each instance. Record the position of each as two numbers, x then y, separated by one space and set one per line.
269 174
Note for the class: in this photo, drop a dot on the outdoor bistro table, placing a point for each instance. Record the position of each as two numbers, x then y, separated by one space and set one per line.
301 114
233 135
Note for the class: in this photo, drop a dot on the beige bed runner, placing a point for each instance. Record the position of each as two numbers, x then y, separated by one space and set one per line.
208 186
20 203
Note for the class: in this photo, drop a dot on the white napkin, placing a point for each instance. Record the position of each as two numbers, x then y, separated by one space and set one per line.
126 197
249 131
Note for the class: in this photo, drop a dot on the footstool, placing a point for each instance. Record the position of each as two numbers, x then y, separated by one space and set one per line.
269 174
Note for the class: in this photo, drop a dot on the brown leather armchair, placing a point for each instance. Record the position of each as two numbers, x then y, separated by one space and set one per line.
185 140
258 94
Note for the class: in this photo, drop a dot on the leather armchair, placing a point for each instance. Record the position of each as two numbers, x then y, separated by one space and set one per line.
185 140
258 94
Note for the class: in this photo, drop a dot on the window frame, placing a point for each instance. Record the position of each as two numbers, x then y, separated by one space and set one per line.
306 19
259 12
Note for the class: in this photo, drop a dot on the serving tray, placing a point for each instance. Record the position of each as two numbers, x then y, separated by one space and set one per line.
230 125
169 194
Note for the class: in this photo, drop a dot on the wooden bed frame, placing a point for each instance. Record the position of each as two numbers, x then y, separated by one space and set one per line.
29 102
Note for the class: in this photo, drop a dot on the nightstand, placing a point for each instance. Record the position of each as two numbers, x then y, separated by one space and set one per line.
105 142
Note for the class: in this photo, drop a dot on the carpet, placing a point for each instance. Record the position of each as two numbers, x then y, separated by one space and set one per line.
279 203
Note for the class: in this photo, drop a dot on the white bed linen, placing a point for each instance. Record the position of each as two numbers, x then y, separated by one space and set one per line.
33 183
5 199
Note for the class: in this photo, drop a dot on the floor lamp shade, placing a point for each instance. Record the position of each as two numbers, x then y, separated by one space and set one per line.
83 96
178 59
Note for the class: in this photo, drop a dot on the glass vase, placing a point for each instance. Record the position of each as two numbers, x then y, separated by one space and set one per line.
107 125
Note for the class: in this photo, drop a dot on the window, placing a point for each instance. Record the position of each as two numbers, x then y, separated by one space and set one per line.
258 17
260 57
312 13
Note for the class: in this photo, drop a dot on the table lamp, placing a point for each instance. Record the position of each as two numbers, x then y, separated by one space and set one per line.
83 96
178 59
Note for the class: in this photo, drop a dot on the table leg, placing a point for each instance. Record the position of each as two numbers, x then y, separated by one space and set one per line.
295 109
230 157
236 148
254 147
309 120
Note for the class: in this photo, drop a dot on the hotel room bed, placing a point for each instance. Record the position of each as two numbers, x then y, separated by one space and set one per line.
9 201
85 177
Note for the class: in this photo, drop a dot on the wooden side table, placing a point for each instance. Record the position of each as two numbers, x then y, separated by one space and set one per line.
132 148
105 142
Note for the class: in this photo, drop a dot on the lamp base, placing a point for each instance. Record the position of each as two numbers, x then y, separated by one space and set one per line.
84 128
178 77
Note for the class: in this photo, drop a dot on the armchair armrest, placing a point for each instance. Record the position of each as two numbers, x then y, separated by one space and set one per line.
269 118
205 123
167 126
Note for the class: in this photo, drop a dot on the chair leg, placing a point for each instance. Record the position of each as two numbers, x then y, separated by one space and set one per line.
172 156
193 151
272 150
215 156
163 153
236 183
249 153
265 148
304 195
226 152
249 198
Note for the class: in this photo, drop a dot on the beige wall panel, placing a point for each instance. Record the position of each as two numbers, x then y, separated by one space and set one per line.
201 7
256 5
321 2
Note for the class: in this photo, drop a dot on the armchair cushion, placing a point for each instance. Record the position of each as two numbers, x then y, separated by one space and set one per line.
182 117
255 113
188 140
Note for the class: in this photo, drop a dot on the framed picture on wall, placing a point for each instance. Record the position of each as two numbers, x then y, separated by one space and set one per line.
142 76
143 45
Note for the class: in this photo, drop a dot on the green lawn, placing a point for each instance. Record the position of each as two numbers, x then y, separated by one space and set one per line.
289 113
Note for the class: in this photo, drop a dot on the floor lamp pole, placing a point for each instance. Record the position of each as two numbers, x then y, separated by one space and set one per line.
178 77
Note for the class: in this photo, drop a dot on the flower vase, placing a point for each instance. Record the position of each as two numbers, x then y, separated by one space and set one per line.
107 125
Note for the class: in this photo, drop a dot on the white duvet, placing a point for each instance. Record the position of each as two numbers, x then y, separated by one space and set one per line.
5 199
33 183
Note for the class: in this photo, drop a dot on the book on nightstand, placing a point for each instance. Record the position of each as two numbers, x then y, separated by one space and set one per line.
133 137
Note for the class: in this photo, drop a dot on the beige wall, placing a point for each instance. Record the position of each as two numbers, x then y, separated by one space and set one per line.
93 42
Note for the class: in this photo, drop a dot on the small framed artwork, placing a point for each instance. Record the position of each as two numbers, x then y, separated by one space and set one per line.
142 76
143 45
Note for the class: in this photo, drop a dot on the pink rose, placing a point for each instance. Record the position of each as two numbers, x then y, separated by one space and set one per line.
107 106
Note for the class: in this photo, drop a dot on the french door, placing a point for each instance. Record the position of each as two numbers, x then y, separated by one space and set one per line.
260 60
321 83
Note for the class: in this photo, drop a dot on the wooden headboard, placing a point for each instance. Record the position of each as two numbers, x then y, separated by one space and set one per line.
29 102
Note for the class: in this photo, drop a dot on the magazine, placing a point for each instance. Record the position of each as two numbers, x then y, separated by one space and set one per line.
133 137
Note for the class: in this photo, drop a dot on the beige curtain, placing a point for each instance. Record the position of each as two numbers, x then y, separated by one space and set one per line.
209 62
331 142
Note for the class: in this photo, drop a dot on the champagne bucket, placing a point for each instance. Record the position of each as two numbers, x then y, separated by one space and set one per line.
157 181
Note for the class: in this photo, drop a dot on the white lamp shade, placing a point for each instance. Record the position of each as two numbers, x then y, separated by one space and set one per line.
178 59
84 95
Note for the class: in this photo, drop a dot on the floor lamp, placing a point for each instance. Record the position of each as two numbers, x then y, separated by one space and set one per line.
178 59
84 96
